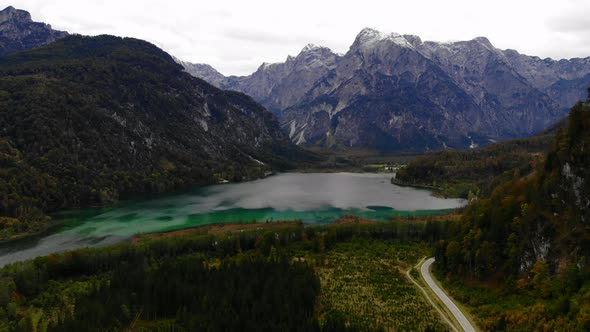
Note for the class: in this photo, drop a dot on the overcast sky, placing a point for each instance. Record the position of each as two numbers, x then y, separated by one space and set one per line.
235 37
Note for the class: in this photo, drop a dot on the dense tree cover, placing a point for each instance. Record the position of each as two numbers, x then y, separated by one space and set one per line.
363 281
88 120
457 173
24 193
191 282
248 293
534 234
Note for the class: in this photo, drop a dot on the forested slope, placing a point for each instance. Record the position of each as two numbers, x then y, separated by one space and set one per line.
479 171
88 120
530 241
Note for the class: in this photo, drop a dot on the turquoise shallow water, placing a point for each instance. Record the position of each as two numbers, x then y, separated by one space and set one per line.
312 198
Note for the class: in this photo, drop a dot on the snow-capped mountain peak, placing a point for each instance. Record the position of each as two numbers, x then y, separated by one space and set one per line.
310 47
485 42
369 37
313 49
398 39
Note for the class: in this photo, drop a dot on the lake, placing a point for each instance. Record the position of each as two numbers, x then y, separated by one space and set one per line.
311 197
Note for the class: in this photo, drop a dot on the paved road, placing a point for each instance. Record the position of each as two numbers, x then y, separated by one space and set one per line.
425 271
440 312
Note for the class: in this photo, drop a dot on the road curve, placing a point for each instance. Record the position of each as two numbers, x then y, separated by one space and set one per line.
463 321
440 312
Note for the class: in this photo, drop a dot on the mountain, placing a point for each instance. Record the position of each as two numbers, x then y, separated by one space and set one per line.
203 71
369 101
277 85
516 106
281 85
18 32
86 120
565 81
396 92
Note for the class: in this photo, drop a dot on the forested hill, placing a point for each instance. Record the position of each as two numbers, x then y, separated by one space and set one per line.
86 120
533 234
479 171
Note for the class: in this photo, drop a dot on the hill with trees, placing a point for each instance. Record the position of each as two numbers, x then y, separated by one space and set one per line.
89 120
531 239
457 173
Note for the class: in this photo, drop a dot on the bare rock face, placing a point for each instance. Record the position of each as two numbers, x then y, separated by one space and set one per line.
281 85
397 92
565 81
203 71
513 105
382 94
18 32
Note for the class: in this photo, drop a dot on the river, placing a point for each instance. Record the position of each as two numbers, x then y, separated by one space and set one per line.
313 198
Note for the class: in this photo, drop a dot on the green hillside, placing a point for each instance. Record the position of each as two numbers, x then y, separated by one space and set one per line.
526 246
89 120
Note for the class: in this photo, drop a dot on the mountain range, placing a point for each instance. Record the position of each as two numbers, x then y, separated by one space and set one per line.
389 92
396 92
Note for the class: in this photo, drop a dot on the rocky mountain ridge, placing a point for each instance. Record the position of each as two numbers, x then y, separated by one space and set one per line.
397 92
19 32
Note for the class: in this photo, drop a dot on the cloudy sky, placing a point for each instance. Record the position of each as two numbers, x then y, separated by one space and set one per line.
235 37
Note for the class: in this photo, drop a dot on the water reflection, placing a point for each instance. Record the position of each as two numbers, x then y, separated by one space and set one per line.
313 198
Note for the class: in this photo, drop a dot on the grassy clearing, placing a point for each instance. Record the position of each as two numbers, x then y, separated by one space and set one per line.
364 282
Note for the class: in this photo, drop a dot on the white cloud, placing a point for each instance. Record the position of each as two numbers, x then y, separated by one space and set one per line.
237 36
572 17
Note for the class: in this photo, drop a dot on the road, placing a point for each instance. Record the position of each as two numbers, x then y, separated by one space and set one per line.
440 312
463 321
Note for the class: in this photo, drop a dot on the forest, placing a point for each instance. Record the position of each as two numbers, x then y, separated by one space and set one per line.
265 279
516 258
87 121
459 173
527 243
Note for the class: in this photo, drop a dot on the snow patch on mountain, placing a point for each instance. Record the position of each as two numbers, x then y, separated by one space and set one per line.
368 38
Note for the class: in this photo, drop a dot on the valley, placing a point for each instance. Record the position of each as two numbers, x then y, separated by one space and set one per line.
331 191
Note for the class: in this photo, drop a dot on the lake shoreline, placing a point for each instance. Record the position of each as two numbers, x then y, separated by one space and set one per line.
310 198
30 236
216 229
58 218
